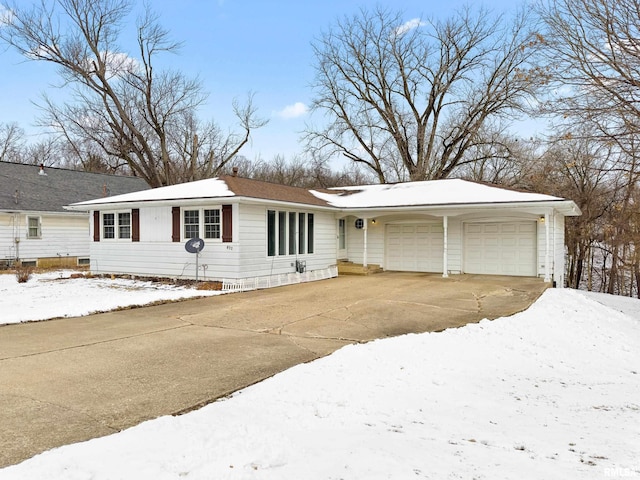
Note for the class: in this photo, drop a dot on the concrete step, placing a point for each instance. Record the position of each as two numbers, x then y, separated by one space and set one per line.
350 268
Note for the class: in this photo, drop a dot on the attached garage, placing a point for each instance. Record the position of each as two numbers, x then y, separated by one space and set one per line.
414 247
501 248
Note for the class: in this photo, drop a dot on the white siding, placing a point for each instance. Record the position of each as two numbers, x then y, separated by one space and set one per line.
375 242
157 255
155 224
254 260
162 259
245 257
7 235
61 236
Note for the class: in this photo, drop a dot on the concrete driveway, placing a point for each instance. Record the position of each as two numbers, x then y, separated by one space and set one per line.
73 379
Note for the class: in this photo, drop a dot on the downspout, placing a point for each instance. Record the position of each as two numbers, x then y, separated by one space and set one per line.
364 253
16 236
547 260
445 255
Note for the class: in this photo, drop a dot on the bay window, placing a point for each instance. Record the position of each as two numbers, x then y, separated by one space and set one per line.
289 233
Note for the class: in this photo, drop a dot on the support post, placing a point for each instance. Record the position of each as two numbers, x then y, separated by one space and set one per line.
445 255
547 259
364 252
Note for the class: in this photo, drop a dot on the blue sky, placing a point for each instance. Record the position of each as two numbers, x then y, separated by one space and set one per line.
234 46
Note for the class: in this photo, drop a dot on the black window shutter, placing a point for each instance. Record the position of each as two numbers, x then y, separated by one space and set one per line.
175 227
135 224
227 223
96 225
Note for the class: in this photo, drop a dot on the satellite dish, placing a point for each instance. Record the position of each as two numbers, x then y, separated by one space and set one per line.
194 245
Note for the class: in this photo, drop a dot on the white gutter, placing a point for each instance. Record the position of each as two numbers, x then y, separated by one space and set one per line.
42 212
196 202
570 208
567 207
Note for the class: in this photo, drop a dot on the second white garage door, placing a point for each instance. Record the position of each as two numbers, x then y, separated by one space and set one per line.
414 247
500 248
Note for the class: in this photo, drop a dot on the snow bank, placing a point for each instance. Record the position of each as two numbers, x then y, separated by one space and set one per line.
55 294
549 393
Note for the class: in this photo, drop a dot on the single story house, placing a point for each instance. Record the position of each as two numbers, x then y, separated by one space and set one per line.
35 229
258 234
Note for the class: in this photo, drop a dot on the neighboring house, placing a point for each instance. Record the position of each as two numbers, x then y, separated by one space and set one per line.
35 229
259 234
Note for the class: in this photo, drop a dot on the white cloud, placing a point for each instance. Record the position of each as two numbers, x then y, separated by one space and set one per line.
120 63
410 25
296 110
6 15
117 63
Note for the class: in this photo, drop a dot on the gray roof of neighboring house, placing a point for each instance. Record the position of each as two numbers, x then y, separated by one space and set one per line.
23 188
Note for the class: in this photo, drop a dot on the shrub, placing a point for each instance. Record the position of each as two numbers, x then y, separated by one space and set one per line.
23 274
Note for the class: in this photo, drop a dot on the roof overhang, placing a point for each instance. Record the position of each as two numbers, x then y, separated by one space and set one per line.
193 202
44 212
566 207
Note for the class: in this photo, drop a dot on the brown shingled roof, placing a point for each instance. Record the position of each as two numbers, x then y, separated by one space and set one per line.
245 187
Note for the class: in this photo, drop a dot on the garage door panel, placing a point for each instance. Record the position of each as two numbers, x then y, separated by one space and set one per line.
414 247
529 227
502 248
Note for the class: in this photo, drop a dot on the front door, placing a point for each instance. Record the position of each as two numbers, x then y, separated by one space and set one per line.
342 239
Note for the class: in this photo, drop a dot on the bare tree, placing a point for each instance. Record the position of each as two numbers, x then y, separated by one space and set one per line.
592 50
504 159
11 142
582 169
593 54
299 171
121 103
408 100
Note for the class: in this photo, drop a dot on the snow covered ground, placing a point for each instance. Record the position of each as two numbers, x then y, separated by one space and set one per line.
550 393
54 294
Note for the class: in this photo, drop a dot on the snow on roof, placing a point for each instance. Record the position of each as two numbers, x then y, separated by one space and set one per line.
208 188
432 192
426 193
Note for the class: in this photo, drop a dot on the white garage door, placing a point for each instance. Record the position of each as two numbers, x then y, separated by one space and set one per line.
414 247
500 248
